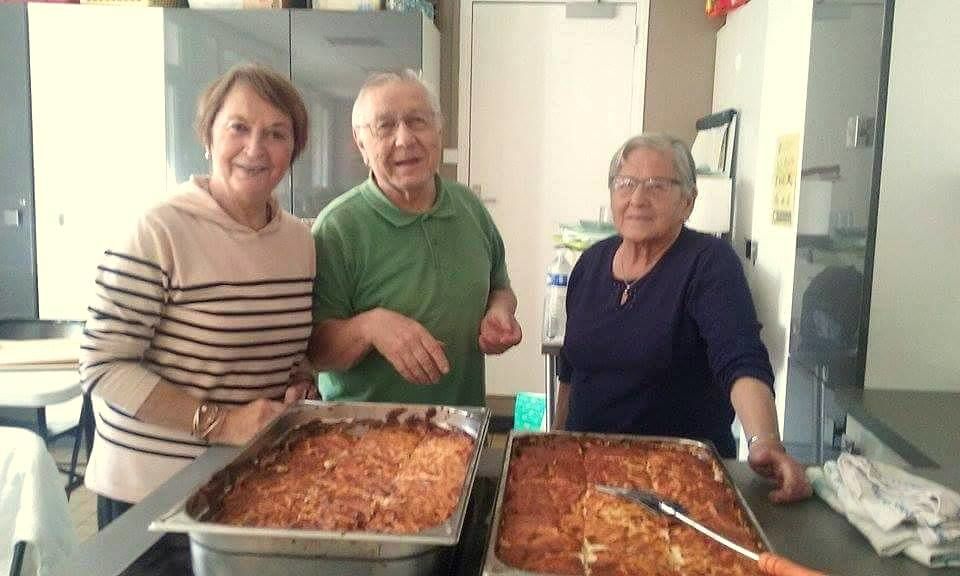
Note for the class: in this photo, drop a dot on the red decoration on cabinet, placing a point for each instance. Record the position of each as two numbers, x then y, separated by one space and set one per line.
717 8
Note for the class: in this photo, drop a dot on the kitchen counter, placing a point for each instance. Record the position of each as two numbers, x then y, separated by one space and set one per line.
808 532
921 426
550 352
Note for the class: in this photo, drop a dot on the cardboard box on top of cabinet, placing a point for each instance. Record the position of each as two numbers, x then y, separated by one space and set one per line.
350 5
155 3
238 4
266 3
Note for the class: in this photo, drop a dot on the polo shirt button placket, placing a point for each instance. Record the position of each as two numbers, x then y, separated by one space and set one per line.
431 241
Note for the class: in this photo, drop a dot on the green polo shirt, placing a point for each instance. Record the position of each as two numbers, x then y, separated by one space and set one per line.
437 268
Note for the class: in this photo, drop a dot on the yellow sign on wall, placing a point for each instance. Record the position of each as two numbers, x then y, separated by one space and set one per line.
785 179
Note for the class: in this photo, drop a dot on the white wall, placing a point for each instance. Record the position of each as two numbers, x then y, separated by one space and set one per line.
914 334
761 70
99 159
539 119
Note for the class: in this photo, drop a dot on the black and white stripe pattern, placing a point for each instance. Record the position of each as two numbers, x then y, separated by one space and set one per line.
192 300
228 342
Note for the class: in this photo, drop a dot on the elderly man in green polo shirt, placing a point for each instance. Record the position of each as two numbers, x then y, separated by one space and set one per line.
411 288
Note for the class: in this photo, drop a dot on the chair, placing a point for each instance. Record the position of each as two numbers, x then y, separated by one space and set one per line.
41 384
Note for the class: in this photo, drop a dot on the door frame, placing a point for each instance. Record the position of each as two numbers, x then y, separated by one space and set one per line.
637 90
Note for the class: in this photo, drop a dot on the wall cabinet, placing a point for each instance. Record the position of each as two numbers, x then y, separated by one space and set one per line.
114 93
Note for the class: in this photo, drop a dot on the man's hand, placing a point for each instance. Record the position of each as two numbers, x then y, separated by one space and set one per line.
413 352
771 461
499 331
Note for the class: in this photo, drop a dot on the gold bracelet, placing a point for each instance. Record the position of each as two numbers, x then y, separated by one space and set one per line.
763 436
206 418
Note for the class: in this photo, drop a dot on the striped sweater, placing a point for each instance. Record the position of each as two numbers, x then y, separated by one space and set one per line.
202 302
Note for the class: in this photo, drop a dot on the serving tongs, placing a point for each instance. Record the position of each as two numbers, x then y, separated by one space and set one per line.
770 564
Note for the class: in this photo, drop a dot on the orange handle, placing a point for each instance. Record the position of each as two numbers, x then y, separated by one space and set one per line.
774 565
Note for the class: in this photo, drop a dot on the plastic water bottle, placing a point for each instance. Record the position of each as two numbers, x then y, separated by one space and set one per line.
555 301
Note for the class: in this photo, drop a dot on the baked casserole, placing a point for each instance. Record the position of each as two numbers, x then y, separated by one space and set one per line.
363 475
553 519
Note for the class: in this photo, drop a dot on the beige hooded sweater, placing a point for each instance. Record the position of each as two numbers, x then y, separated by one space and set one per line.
204 303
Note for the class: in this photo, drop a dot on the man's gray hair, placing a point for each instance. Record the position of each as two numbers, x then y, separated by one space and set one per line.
406 76
678 150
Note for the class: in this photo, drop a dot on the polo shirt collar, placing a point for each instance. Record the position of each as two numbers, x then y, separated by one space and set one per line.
442 206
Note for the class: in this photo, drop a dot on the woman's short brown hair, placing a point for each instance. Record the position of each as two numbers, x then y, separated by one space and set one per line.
269 85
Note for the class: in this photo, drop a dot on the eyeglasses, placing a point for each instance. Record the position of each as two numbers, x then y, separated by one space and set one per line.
654 186
386 127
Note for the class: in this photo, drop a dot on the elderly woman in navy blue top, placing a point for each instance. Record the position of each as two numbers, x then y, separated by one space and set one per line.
662 337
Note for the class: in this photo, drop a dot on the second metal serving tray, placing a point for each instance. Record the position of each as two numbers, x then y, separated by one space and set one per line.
493 566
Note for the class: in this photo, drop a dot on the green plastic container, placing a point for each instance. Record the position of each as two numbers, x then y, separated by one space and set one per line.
528 411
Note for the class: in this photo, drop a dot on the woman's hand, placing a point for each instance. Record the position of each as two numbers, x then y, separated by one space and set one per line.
302 390
770 460
240 424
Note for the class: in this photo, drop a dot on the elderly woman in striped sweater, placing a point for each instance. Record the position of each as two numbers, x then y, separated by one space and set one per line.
199 326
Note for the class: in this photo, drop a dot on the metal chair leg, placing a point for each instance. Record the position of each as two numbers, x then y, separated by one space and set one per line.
16 563
74 480
90 426
42 423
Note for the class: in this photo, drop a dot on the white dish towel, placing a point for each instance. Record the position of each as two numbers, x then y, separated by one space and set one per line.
33 505
896 511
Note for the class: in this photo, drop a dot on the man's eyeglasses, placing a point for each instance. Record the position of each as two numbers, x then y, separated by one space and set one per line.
386 127
654 186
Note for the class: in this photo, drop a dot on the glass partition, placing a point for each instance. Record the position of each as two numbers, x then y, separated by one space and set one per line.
839 173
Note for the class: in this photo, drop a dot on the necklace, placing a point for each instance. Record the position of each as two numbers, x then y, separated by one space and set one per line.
627 285
626 290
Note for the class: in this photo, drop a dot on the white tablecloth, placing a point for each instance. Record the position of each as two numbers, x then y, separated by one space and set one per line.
33 504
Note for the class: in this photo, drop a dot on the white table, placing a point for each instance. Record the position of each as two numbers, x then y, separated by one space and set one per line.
41 373
38 386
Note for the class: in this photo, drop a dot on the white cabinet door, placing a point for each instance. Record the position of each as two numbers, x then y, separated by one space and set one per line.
99 157
545 101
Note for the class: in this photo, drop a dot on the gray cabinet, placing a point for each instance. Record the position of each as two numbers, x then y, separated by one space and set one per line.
327 54
18 276
198 47
332 53
114 92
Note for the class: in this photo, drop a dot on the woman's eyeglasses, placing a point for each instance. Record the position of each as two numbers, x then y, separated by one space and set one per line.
654 186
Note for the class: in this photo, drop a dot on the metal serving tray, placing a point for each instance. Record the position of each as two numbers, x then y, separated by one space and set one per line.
493 566
224 549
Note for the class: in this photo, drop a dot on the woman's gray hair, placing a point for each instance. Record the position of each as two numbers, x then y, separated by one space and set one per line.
678 150
406 76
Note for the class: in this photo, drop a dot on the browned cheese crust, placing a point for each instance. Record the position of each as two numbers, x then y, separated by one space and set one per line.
554 521
363 476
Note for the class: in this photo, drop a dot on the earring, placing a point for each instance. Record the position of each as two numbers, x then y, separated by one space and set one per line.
206 153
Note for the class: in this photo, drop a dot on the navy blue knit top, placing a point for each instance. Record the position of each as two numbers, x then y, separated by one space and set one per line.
664 362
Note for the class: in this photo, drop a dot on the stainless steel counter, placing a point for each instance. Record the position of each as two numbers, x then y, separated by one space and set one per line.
550 381
808 532
921 426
